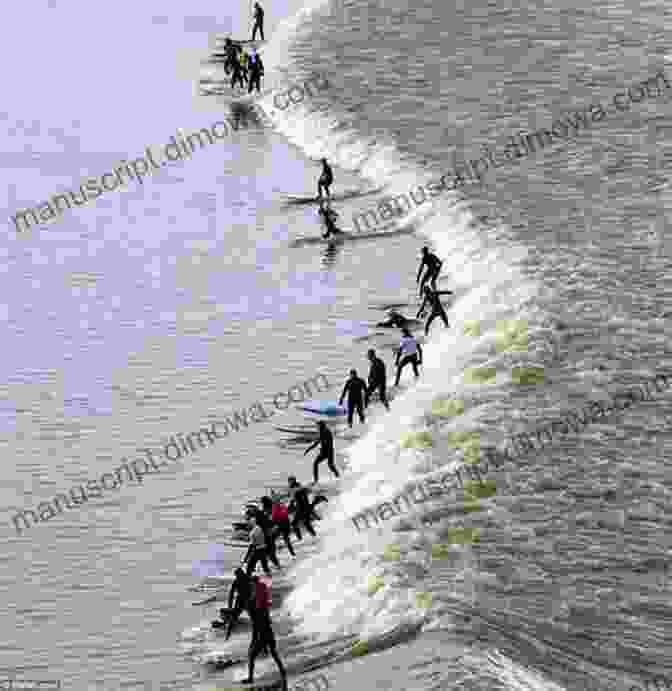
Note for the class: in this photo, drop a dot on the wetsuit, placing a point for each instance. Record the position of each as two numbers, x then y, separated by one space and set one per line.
302 510
260 549
326 442
433 264
241 589
262 633
267 527
256 70
377 380
326 179
280 518
437 310
258 22
231 53
236 70
355 387
328 216
409 352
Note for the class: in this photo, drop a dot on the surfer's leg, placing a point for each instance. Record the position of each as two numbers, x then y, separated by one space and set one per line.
318 459
284 531
360 410
351 410
295 525
430 319
444 318
383 395
414 362
332 465
307 523
252 562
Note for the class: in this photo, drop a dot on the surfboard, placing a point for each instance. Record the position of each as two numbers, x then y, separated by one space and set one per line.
330 408
354 193
345 236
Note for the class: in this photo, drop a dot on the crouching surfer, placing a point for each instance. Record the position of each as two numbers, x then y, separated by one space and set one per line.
262 629
241 589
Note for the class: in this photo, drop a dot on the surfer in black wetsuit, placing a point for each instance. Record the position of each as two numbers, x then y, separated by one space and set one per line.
236 69
326 179
255 69
328 216
394 319
301 507
230 52
258 21
432 300
377 378
326 442
241 589
355 387
433 264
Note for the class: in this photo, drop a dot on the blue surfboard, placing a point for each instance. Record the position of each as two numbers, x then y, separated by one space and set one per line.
329 408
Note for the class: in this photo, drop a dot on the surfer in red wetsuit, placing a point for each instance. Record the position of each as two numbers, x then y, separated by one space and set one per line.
262 629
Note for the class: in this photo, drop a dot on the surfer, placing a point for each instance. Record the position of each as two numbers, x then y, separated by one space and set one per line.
377 378
326 179
301 506
411 351
262 630
230 55
259 548
241 588
433 264
326 442
394 319
432 300
328 215
355 387
279 515
258 21
256 70
236 68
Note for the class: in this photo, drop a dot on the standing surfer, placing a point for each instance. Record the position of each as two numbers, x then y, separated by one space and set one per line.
326 442
258 21
355 387
301 506
411 351
377 378
256 71
262 629
326 179
432 299
433 264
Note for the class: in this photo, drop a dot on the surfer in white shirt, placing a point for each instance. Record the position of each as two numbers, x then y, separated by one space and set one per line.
409 352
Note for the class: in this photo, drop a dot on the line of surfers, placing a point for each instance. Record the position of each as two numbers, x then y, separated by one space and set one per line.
271 519
245 67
